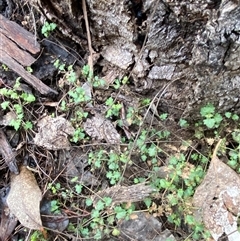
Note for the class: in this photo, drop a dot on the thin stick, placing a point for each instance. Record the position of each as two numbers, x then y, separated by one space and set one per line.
90 59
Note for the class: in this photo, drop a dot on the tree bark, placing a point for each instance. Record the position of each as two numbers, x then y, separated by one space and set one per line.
196 46
189 49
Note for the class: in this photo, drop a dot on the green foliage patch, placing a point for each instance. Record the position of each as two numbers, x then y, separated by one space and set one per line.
16 101
145 148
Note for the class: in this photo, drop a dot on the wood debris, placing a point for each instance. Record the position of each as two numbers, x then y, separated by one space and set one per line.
14 44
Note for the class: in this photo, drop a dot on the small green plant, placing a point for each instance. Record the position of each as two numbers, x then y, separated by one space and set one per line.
78 135
47 28
124 211
37 236
183 123
79 115
78 187
113 162
71 74
54 188
4 67
86 72
234 153
61 66
132 117
16 100
178 188
55 207
95 81
150 151
234 117
103 217
78 95
98 82
211 118
98 217
113 108
145 101
29 69
118 83
163 116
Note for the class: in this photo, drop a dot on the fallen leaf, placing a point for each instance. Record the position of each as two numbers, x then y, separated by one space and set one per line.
217 200
102 129
53 133
24 199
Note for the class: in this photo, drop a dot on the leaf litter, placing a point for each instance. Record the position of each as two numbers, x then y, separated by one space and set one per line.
24 199
77 163
100 128
8 221
53 133
217 200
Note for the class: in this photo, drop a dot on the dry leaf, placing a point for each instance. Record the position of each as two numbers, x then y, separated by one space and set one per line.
217 200
102 129
53 133
24 199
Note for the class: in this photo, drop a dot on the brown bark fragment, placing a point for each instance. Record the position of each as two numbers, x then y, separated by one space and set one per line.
11 37
21 36
30 79
21 56
7 153
121 194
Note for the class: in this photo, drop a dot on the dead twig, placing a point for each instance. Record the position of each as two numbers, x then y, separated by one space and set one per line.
91 51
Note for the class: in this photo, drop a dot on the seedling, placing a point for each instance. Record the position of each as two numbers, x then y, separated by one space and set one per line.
47 28
15 101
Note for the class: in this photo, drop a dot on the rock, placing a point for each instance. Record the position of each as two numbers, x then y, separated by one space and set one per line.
144 228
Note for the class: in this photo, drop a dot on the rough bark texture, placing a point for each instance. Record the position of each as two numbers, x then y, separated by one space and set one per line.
189 48
194 44
15 41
